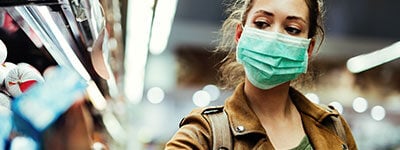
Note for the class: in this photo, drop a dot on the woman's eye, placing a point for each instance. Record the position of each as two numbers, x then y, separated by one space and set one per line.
292 30
261 24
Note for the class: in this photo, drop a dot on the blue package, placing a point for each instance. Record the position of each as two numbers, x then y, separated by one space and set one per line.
25 143
5 126
41 105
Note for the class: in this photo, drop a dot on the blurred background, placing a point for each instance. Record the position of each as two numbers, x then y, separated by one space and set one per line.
178 73
162 66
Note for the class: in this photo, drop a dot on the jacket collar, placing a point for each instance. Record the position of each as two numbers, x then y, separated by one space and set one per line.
306 107
313 117
242 117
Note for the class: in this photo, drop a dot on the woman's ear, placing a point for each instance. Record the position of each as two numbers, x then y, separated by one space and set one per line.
311 48
238 32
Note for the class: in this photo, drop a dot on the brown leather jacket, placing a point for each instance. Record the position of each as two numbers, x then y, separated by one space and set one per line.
195 131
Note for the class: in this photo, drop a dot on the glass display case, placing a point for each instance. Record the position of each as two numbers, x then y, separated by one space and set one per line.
75 34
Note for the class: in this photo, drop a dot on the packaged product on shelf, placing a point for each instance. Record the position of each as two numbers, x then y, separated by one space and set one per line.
3 52
5 101
5 126
21 78
25 143
5 68
37 108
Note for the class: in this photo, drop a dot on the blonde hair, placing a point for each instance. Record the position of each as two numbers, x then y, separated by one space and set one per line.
232 73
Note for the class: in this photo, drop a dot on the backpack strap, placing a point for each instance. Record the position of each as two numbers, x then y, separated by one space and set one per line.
221 133
337 125
222 136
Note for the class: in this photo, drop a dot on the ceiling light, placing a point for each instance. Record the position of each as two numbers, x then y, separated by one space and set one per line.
367 61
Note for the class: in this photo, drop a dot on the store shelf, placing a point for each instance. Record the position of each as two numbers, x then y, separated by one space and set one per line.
66 30
29 2
67 33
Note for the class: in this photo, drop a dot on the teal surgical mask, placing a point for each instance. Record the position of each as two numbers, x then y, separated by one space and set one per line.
271 58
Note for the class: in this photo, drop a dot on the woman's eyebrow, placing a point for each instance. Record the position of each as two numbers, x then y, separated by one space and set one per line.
267 13
264 12
296 18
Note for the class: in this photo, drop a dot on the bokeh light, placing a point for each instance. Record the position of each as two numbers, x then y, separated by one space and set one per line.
360 104
313 97
201 98
213 91
155 95
378 113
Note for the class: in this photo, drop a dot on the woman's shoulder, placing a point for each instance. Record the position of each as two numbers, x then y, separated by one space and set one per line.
194 130
199 115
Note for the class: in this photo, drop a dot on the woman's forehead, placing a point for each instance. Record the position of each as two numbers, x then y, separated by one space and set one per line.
297 8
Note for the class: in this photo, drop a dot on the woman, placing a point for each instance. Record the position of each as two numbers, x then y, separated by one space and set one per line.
274 40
